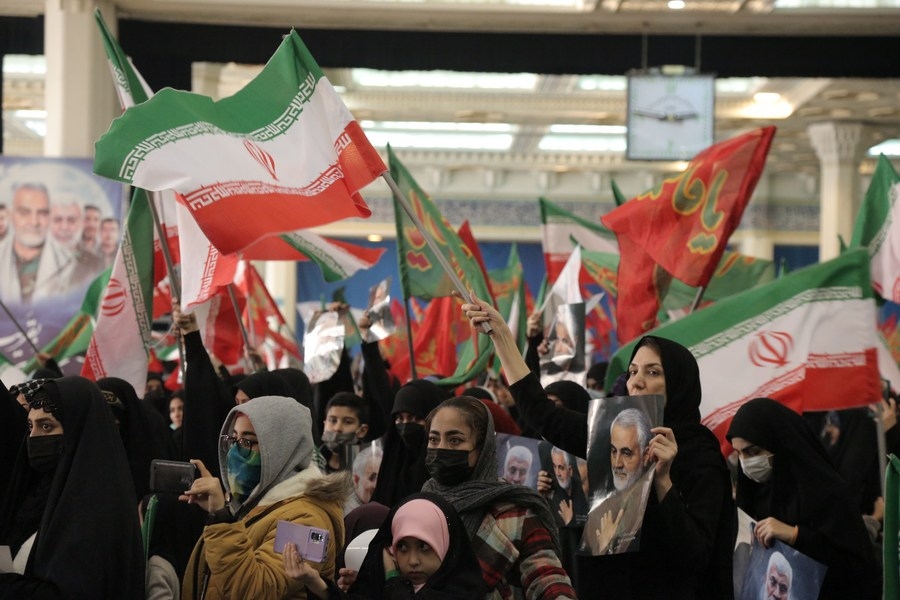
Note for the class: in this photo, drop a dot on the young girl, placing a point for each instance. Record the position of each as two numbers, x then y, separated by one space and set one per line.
421 551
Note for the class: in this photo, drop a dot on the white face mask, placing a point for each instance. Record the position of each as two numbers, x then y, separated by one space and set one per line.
758 468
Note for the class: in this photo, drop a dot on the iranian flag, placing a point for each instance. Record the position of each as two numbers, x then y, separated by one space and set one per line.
562 230
130 85
808 340
266 326
877 229
337 259
283 153
122 332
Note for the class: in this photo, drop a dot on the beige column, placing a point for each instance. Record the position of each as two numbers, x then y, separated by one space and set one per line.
79 93
840 147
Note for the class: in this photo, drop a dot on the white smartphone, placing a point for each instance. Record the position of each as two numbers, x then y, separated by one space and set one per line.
311 542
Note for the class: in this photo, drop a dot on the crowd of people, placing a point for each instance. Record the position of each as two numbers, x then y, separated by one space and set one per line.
286 475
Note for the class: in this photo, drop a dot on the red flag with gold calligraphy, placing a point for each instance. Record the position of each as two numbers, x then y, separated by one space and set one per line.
683 225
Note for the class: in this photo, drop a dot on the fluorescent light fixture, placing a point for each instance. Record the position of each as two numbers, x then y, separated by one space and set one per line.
440 135
373 78
589 129
374 237
768 98
676 4
887 147
582 143
602 83
854 4
580 5
24 64
30 114
739 85
438 126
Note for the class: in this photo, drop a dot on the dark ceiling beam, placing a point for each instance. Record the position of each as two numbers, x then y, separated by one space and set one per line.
163 51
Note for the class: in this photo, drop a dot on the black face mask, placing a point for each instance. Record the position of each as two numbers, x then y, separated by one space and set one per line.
412 434
44 452
448 467
335 440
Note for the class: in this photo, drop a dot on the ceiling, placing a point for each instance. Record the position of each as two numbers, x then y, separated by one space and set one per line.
529 109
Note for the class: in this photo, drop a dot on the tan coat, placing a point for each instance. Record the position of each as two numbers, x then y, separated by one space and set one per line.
238 560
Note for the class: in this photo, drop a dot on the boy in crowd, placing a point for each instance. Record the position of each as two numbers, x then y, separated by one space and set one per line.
346 424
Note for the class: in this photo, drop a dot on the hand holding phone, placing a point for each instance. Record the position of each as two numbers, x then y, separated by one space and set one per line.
311 542
169 476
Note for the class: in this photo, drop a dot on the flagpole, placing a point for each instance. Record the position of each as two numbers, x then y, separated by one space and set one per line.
237 314
457 283
409 340
174 279
174 282
698 298
20 328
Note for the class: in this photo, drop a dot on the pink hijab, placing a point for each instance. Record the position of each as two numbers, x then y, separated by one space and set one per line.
423 520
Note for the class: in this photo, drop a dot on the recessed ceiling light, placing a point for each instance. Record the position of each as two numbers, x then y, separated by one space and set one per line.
374 237
766 97
676 4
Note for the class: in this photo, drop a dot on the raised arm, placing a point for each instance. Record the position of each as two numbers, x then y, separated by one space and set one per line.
207 399
564 428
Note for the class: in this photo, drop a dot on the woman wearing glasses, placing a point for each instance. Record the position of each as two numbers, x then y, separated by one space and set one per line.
265 457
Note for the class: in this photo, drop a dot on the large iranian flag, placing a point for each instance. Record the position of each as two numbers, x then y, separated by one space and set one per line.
122 332
877 228
562 230
283 153
807 339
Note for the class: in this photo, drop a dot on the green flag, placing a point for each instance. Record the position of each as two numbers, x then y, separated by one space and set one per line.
734 274
892 528
618 196
876 230
421 275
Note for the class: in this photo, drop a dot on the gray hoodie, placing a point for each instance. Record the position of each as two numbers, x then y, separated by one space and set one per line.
284 430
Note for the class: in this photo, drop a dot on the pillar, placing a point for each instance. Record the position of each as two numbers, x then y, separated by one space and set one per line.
840 147
79 92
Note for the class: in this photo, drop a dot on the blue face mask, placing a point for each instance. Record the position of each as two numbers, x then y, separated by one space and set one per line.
244 471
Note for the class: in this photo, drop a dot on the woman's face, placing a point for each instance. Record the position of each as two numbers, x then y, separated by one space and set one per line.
176 410
41 422
747 449
243 430
645 373
416 560
450 431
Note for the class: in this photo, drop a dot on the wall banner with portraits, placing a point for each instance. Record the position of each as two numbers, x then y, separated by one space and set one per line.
60 227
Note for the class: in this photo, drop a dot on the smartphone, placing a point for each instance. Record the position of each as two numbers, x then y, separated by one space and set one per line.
169 476
311 542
